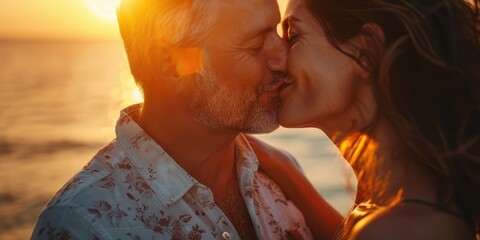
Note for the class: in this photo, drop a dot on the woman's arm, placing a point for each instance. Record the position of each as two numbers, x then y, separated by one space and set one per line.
322 219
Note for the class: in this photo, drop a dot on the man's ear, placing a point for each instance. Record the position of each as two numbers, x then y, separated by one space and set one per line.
371 45
160 62
176 63
188 61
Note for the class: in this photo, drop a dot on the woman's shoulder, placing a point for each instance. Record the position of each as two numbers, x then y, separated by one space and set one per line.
265 153
411 221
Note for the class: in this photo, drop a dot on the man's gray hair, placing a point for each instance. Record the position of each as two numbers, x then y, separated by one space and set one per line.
162 25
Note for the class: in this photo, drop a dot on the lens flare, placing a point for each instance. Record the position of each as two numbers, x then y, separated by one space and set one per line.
104 8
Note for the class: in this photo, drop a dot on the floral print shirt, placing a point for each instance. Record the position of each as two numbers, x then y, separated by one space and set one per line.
132 189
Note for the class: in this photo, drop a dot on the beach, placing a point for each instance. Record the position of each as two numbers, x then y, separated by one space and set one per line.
59 102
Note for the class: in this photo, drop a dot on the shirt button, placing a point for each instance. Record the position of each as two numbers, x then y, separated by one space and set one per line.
225 235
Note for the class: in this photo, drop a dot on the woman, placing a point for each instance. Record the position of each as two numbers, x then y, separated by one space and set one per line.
396 85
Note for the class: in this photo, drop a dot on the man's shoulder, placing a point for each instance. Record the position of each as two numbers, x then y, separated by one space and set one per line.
265 150
99 193
94 179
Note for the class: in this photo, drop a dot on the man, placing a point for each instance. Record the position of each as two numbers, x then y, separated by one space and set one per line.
180 168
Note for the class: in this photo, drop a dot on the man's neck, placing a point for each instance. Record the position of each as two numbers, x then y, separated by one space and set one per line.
206 153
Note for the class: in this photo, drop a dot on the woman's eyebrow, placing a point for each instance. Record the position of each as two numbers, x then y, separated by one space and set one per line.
286 22
291 19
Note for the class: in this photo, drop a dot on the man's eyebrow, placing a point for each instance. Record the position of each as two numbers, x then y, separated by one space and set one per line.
257 32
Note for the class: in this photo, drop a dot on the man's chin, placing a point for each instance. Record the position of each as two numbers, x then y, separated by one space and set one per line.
266 123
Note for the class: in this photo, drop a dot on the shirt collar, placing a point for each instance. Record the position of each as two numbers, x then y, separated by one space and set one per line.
244 154
164 176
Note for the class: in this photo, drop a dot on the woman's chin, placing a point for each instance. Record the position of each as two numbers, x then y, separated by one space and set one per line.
293 115
286 118
292 121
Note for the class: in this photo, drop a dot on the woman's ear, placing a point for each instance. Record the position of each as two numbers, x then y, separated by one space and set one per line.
374 38
371 44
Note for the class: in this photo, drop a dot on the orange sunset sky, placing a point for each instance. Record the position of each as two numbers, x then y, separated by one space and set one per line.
61 19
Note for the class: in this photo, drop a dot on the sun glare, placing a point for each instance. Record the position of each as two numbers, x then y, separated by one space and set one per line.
136 95
104 8
128 92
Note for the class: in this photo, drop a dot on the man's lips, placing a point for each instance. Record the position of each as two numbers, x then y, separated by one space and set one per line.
274 86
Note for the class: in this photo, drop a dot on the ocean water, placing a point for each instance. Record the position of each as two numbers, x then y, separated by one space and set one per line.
59 102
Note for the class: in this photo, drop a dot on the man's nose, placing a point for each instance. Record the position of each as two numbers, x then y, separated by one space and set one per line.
278 60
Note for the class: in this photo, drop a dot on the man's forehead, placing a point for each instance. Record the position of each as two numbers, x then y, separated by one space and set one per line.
250 8
244 1
244 19
250 3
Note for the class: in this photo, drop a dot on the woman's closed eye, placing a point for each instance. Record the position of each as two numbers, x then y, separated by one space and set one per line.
290 33
291 37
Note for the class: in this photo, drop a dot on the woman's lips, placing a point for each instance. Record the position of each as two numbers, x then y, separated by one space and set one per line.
289 81
284 85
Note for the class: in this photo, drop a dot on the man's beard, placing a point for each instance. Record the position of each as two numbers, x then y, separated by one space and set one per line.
220 107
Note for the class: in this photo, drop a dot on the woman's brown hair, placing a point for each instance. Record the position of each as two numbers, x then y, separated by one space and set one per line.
426 82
